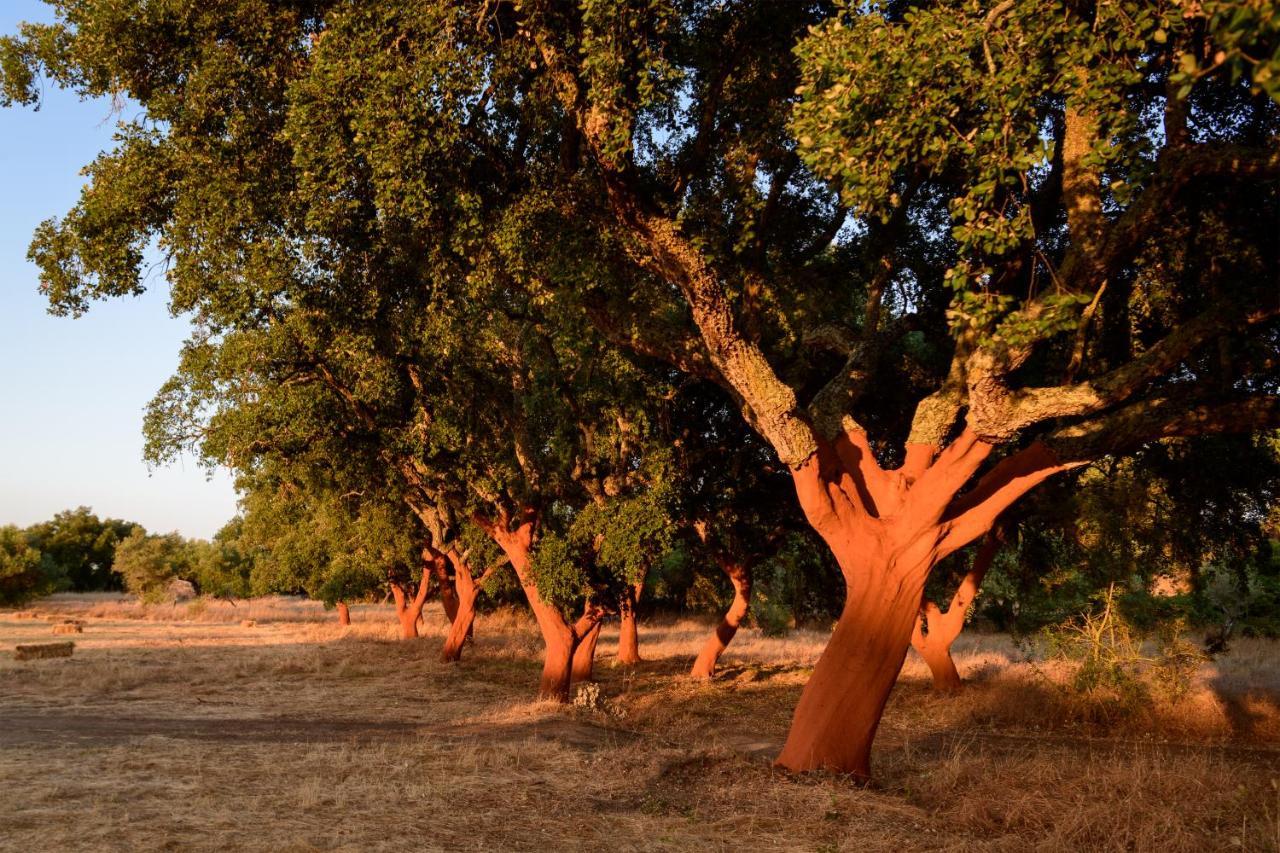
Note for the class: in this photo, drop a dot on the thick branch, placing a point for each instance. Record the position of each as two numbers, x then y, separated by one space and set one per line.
1166 416
975 512
1082 271
1036 405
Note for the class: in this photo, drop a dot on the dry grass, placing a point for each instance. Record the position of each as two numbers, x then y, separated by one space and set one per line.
178 728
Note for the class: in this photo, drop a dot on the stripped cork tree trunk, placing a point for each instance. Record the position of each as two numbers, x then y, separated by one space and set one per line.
935 631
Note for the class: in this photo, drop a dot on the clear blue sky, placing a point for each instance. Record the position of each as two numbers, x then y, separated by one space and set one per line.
72 391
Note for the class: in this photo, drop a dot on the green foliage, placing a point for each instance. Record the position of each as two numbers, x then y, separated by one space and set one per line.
322 545
796 586
970 96
1242 599
149 563
1140 523
25 573
82 546
220 568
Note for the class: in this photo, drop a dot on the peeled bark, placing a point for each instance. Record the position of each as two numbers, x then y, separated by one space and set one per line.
584 657
467 589
935 631
344 613
449 597
409 610
559 638
629 636
839 711
887 530
464 616
740 577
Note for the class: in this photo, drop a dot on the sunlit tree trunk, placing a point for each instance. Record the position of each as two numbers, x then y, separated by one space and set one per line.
740 576
935 631
887 530
409 610
559 637
584 657
344 613
467 588
628 633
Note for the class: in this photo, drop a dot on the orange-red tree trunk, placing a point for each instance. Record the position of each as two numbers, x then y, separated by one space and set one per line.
628 634
584 657
466 587
409 610
559 637
449 597
935 631
887 530
463 616
740 576
344 613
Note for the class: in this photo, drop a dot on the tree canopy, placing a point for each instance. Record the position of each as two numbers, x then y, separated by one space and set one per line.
471 256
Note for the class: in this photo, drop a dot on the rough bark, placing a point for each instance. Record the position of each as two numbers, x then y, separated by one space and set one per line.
584 657
740 576
344 613
935 630
628 634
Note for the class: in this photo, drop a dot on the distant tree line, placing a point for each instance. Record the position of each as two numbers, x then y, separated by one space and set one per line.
76 551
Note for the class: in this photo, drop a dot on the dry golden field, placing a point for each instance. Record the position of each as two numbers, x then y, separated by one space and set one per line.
177 727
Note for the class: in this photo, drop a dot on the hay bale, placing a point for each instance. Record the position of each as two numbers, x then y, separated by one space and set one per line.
180 590
248 623
35 651
68 628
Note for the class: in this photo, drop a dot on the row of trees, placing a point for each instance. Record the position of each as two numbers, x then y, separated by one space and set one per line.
572 277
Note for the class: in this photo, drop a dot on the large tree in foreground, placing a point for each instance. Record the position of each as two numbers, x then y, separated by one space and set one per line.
1110 175
982 246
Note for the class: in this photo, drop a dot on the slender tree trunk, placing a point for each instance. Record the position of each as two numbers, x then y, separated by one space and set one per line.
559 638
936 653
344 613
449 597
408 620
628 635
935 631
584 657
409 610
464 611
740 577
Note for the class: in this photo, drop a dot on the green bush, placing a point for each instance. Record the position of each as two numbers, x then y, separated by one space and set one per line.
25 573
1117 669
149 564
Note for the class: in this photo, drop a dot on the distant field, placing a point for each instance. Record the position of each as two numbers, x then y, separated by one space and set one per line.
179 728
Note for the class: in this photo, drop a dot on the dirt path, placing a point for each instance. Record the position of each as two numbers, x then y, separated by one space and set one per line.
50 728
